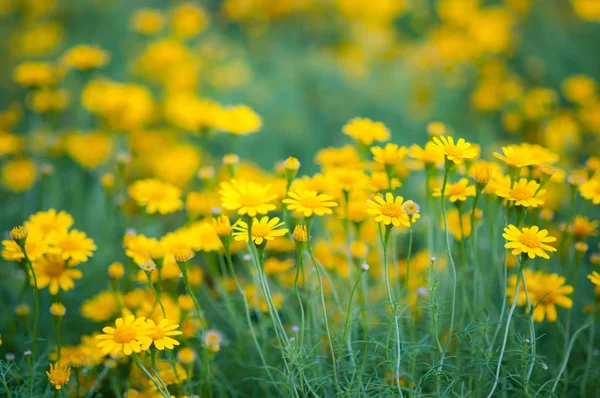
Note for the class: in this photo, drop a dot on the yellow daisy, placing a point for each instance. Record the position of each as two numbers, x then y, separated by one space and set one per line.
52 271
594 277
50 221
522 193
458 152
366 131
516 156
389 155
156 195
263 230
531 241
74 246
36 246
248 198
160 334
59 375
389 211
458 191
309 203
128 336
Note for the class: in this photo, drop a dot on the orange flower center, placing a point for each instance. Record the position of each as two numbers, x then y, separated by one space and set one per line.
54 267
521 193
69 245
125 334
391 210
530 240
157 333
260 230
453 151
310 202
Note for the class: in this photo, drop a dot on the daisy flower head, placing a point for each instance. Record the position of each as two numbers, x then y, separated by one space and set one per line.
59 375
51 221
213 340
391 154
52 272
388 210
455 152
247 198
19 234
366 131
160 334
263 230
157 196
522 193
309 203
128 336
594 277
459 191
516 156
590 190
531 241
36 246
73 245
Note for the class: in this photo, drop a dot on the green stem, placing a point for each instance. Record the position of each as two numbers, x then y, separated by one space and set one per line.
149 275
143 369
36 304
156 372
568 353
300 270
347 326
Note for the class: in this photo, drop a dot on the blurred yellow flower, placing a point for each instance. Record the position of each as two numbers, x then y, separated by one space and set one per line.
157 196
85 57
19 175
366 131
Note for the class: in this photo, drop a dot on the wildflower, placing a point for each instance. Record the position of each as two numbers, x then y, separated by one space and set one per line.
35 245
291 164
58 310
206 173
182 253
436 129
546 290
309 203
365 267
590 190
391 154
19 175
186 356
247 198
188 20
581 248
300 234
264 230
429 154
22 310
213 340
85 57
594 277
161 334
366 131
147 21
185 302
128 336
148 266
107 180
89 150
73 245
35 74
482 173
156 195
19 234
456 153
51 221
358 249
59 375
531 241
231 159
239 120
575 180
516 156
458 191
389 211
522 193
222 226
52 271
116 270
412 209
582 228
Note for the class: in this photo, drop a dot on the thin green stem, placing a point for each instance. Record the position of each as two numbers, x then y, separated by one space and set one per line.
36 303
143 369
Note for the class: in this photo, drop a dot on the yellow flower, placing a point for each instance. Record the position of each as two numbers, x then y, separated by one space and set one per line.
18 233
531 241
10 144
182 253
594 277
263 230
186 355
116 270
545 290
188 20
429 154
101 307
516 156
389 211
160 334
85 57
128 336
19 174
582 228
391 154
300 233
580 89
147 21
49 100
57 309
88 150
291 164
50 221
456 153
222 225
522 193
246 197
74 246
458 191
35 74
366 131
156 195
238 120
141 248
590 190
309 203
59 375
36 246
52 271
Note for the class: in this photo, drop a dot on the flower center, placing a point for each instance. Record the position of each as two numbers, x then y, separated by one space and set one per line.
391 210
124 334
520 193
452 150
69 245
311 202
260 230
530 240
59 376
157 333
54 267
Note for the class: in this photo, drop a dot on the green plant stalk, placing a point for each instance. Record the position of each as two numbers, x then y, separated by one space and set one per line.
77 384
143 369
36 298
156 373
300 270
57 329
409 255
563 237
510 314
348 313
388 231
590 352
246 309
449 251
324 306
503 287
156 296
473 242
532 336
568 353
